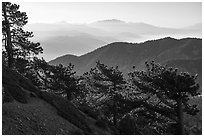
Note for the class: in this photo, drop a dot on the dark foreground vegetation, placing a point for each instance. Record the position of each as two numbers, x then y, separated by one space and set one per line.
39 98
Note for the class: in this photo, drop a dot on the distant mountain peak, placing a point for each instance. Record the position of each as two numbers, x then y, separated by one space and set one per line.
111 21
62 22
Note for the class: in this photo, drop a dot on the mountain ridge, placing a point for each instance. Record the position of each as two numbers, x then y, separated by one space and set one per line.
107 31
125 55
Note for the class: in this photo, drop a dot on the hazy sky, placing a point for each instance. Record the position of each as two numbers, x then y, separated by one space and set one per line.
167 14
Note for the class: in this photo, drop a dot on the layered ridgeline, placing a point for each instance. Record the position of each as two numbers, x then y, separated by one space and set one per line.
186 54
82 38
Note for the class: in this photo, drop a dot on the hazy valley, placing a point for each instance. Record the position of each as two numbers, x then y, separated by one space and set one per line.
65 38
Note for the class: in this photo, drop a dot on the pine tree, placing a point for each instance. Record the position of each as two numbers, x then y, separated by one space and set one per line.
58 79
170 89
108 82
64 80
15 40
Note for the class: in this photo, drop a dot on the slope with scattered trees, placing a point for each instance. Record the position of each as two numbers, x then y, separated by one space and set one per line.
39 98
125 55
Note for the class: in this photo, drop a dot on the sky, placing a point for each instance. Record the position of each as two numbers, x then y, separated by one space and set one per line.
162 14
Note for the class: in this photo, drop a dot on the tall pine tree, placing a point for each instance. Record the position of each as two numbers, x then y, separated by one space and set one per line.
108 81
58 79
170 89
15 40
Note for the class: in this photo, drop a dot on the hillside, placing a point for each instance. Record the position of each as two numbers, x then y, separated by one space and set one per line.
29 111
193 66
125 55
186 65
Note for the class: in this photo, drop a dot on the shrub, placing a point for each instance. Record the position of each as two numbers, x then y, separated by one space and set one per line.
89 111
7 97
101 123
127 126
18 93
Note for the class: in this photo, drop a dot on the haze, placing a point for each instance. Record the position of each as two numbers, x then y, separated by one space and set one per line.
167 14
59 15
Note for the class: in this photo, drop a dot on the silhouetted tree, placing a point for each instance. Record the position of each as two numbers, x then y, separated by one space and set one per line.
58 79
40 70
168 91
64 81
15 39
108 82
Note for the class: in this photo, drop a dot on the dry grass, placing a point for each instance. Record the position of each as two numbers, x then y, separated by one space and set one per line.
28 111
35 118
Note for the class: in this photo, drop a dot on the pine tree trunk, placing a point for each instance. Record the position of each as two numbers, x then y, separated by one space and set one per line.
69 96
114 114
114 107
180 118
8 40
